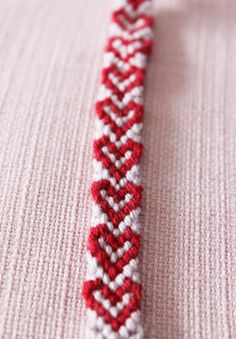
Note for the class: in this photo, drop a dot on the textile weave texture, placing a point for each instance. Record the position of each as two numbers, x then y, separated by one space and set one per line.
50 57
112 289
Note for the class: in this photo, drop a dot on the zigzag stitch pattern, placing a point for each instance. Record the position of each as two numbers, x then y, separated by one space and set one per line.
112 289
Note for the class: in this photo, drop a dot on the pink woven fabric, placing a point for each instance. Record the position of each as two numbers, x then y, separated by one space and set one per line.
50 58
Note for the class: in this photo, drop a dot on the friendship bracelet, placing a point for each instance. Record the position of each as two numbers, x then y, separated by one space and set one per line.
112 289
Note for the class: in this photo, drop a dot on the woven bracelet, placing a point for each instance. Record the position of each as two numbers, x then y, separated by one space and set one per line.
112 289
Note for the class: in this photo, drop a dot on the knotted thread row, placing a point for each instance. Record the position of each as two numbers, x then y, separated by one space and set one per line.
112 289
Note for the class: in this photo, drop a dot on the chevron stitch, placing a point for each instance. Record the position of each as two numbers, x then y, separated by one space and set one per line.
112 289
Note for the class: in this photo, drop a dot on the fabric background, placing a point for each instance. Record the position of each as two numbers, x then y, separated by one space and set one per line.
50 58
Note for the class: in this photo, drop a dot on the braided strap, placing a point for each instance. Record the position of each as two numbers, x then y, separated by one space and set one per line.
112 289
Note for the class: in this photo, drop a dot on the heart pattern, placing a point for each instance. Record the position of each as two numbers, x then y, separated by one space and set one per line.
116 80
123 20
102 231
112 290
133 147
129 286
116 217
125 49
108 120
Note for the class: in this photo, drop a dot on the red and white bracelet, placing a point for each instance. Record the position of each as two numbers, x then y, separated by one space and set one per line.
112 289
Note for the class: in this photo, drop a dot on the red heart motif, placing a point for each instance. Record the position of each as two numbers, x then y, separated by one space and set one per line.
114 297
118 196
119 130
144 48
122 18
102 231
121 77
119 153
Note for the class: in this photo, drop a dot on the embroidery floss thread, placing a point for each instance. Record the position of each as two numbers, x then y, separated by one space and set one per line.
112 289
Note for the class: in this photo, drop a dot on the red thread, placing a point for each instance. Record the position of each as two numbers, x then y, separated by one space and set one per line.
113 290
128 287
